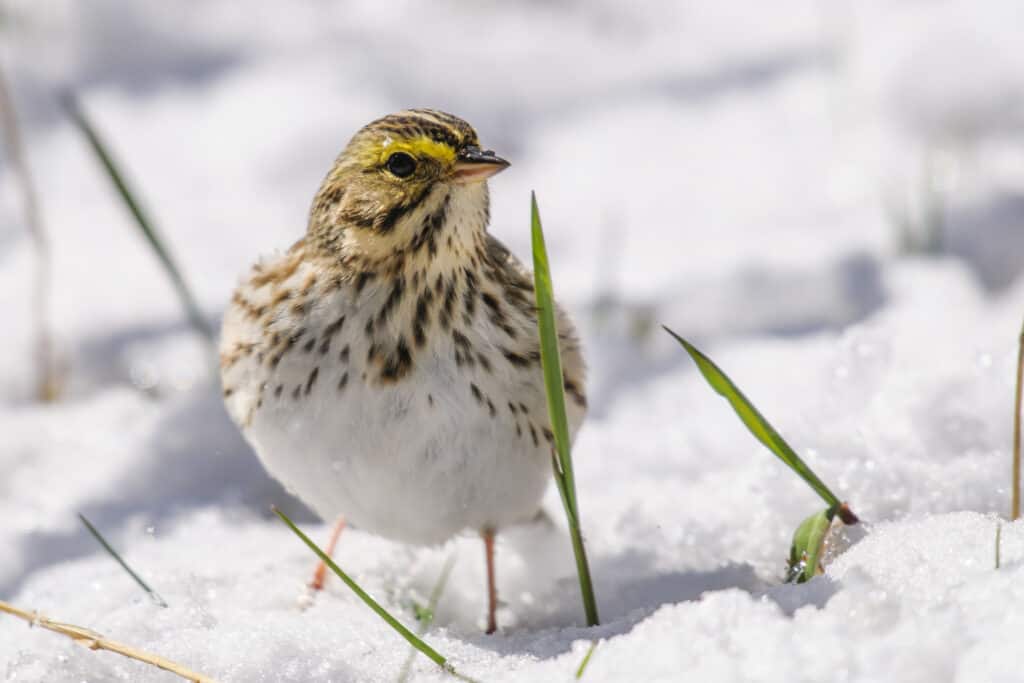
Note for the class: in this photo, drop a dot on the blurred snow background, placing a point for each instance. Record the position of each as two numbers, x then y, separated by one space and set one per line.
828 196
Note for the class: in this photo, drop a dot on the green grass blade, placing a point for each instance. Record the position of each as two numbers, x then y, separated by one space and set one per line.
428 613
408 635
551 358
586 660
760 427
188 301
551 363
808 542
124 565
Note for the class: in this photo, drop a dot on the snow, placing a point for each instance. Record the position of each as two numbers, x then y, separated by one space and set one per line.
735 172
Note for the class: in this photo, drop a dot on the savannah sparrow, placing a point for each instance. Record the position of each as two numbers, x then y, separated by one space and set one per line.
386 368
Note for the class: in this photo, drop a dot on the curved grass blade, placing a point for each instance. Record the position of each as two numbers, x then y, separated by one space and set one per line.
188 301
760 427
408 635
124 565
426 615
808 543
551 363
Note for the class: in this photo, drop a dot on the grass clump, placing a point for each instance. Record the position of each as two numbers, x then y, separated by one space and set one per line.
810 535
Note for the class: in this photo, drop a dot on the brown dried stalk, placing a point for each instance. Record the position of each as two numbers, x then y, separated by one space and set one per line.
95 641
47 386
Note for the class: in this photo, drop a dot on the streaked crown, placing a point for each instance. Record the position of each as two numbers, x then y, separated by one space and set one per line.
392 171
424 133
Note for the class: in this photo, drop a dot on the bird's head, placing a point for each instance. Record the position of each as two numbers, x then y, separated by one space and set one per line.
400 178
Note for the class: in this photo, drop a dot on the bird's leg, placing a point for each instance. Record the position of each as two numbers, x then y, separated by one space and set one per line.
320 574
492 588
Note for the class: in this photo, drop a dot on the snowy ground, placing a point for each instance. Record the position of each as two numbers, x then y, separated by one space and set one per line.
740 176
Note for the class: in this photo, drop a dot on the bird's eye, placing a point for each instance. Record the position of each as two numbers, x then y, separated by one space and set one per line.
401 164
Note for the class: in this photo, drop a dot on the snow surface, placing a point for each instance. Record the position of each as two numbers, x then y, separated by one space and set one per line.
737 171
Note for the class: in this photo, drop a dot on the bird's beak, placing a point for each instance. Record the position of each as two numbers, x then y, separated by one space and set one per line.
474 165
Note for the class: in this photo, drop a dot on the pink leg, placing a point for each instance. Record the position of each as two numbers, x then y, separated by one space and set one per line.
492 588
320 575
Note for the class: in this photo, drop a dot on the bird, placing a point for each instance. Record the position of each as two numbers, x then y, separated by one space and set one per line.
386 368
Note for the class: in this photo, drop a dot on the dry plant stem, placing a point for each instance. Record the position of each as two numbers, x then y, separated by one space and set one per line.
846 515
47 385
1015 504
95 641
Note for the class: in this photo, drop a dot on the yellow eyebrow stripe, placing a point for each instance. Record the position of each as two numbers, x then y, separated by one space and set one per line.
421 146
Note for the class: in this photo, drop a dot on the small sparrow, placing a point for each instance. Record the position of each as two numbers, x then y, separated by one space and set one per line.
386 368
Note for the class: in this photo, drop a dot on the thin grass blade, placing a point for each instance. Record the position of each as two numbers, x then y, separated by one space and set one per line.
554 387
154 596
586 660
760 427
408 635
428 614
150 233
808 542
